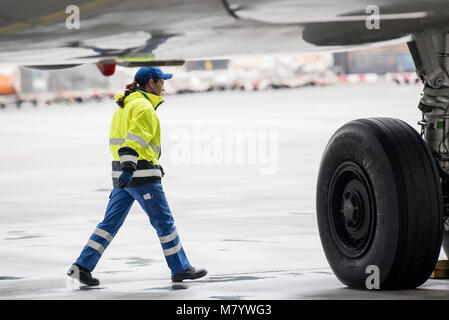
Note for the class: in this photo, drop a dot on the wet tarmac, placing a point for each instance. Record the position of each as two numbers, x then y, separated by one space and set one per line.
250 221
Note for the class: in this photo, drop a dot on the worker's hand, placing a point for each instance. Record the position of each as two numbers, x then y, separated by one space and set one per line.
125 179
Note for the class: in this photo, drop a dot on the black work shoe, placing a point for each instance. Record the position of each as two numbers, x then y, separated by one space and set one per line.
82 274
190 273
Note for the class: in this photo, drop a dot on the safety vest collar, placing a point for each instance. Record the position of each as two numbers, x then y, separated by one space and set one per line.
152 98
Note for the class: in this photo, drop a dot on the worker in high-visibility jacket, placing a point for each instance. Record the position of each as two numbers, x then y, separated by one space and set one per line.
135 144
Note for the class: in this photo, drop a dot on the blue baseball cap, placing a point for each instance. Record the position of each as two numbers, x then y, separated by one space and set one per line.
144 74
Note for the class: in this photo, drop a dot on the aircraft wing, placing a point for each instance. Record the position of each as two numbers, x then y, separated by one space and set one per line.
43 34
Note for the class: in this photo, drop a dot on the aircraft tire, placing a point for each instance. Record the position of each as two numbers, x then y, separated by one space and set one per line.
379 205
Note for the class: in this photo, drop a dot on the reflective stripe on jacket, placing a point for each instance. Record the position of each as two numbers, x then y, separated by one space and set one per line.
134 139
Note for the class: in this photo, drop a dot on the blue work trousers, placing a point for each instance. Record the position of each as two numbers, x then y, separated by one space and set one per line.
152 199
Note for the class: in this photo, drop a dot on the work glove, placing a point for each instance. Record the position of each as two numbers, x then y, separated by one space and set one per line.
125 179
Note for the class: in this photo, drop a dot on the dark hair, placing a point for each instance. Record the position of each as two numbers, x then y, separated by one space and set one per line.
130 88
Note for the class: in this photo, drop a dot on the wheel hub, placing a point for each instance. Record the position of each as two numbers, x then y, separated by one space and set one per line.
352 211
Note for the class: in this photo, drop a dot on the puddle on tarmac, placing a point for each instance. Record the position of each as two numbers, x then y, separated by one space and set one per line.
20 234
137 261
115 272
228 297
86 288
323 272
174 286
231 278
10 278
327 273
243 240
303 213
296 274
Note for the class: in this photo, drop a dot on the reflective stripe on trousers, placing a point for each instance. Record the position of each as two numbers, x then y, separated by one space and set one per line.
97 245
168 243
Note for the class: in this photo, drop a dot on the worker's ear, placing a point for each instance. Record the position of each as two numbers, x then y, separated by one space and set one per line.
149 85
153 82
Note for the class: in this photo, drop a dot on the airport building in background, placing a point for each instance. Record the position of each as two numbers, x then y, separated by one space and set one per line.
380 60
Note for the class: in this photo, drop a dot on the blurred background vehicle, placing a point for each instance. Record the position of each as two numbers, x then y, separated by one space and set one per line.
19 85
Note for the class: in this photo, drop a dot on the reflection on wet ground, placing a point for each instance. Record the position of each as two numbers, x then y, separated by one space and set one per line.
115 271
137 261
86 288
20 235
10 278
224 278
179 286
174 286
311 272
228 297
229 278
303 213
242 240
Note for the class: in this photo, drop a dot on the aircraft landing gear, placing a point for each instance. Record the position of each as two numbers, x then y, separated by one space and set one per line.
430 51
435 131
383 189
379 204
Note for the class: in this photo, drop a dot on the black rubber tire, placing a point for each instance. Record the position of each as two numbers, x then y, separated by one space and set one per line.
400 190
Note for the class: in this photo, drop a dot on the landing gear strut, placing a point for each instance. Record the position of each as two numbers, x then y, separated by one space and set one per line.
430 51
383 188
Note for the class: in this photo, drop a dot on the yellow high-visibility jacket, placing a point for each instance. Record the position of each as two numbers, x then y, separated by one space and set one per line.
135 139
